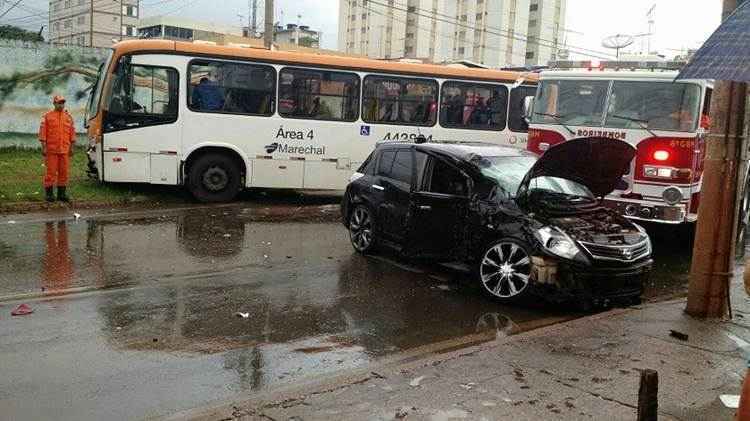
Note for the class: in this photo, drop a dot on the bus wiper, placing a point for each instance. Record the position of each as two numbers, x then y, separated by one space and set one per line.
642 123
558 119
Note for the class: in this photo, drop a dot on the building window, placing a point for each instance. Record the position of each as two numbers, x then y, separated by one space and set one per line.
81 40
318 94
364 30
398 100
409 35
479 16
364 15
56 26
354 17
81 20
464 18
128 30
81 2
131 11
409 50
150 32
461 50
68 24
473 106
534 7
178 33
68 3
232 88
530 55
532 23
411 9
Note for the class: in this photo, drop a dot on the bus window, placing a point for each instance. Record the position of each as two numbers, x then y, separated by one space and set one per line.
473 106
393 100
318 94
142 96
572 102
655 105
234 88
516 120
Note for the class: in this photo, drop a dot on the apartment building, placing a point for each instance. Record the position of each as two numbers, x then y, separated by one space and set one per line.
546 31
183 29
97 23
489 32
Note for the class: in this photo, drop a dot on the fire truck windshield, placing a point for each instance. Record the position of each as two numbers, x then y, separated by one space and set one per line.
653 105
647 105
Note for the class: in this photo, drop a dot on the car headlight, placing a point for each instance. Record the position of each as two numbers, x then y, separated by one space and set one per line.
557 242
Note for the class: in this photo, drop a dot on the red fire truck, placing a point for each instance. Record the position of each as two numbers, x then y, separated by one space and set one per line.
666 120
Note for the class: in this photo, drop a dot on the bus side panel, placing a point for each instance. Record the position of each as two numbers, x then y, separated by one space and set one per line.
127 167
327 175
164 169
278 173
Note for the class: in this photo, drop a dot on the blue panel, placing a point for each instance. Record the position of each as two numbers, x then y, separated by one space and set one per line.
726 54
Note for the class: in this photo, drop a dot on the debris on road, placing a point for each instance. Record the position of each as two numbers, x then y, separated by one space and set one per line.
77 216
678 335
401 413
415 382
11 222
468 386
227 235
377 375
441 287
22 310
730 401
242 315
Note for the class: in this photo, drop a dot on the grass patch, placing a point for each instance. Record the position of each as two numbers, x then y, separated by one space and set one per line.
22 169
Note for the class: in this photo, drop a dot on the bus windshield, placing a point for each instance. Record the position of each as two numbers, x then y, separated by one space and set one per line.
96 88
630 105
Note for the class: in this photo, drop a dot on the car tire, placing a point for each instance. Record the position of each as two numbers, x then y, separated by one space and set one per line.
214 178
361 229
504 271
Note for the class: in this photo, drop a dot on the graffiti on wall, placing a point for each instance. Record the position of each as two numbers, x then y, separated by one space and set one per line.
30 73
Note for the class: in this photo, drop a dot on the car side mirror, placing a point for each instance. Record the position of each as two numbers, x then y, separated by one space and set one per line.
528 108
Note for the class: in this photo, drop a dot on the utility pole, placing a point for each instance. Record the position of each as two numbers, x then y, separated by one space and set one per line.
91 25
268 21
253 28
713 252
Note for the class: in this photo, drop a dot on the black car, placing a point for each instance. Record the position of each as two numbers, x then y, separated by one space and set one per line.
522 224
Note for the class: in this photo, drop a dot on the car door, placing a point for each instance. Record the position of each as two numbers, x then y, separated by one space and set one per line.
439 207
392 182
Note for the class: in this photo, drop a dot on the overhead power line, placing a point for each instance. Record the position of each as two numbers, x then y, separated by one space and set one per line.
10 8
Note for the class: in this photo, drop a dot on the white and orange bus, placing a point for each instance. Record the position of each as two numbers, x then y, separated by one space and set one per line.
664 119
220 118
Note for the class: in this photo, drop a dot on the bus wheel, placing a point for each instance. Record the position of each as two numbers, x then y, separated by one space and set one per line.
214 178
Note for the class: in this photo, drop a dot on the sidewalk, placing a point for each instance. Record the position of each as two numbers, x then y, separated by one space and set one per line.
583 369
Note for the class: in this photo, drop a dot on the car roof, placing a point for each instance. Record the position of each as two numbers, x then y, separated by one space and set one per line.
466 151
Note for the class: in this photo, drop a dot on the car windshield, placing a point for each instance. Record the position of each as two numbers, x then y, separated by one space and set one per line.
508 171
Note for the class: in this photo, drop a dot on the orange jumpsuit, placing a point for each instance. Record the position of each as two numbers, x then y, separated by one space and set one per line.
58 134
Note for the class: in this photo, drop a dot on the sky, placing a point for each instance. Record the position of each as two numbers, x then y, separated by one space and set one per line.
678 24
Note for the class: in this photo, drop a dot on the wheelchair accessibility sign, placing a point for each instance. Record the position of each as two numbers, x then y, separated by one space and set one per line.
364 130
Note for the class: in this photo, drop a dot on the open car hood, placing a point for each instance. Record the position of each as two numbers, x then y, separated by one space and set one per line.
596 162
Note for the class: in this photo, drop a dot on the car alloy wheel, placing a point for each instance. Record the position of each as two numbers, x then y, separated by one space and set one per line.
360 229
505 270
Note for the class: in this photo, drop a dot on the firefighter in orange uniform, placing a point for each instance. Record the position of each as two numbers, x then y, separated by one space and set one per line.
57 135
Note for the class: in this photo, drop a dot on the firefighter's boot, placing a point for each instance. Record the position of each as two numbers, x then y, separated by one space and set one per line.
61 195
49 194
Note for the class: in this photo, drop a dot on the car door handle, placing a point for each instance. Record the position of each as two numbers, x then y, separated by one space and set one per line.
376 187
425 207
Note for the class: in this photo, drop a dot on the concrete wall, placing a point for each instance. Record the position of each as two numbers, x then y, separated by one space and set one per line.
40 65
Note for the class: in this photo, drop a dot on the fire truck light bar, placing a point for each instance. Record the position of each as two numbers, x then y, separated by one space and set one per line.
616 65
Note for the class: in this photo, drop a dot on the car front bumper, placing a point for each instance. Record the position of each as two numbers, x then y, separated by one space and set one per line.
564 281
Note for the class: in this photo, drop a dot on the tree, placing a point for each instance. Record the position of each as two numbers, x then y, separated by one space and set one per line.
309 42
14 32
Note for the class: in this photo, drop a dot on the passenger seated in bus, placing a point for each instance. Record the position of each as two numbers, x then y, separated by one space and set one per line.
480 114
455 110
388 114
207 95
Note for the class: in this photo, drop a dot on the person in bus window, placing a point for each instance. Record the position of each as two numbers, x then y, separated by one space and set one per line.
207 95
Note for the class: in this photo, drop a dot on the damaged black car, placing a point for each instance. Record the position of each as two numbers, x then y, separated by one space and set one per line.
523 225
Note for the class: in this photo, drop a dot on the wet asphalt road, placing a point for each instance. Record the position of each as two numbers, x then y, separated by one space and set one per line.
150 327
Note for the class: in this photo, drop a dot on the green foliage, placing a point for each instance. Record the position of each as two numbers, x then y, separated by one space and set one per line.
14 32
308 42
59 67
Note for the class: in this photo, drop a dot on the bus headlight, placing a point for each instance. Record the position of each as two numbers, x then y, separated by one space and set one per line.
672 195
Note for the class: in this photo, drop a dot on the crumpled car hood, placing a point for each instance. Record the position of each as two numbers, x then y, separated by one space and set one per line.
596 162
